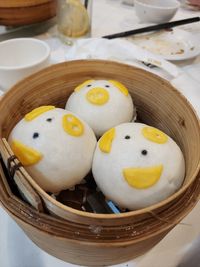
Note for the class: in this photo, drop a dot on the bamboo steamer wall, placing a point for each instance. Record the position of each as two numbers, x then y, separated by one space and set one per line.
74 237
96 254
23 12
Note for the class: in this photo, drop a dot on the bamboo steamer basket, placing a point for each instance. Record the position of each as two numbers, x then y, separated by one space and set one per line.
95 239
24 12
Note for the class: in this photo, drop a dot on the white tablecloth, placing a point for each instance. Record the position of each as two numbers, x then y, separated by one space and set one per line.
180 246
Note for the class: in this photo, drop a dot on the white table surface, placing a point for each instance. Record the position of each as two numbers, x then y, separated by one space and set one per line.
181 247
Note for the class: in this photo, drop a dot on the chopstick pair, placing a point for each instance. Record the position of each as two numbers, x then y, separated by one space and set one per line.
153 28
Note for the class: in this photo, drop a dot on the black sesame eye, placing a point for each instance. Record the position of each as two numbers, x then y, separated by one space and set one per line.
89 85
35 135
49 119
127 137
107 85
144 152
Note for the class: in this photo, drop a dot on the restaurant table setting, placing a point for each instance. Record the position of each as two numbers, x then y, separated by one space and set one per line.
172 53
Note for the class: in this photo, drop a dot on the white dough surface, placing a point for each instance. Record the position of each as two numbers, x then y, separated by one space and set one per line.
126 153
117 110
66 158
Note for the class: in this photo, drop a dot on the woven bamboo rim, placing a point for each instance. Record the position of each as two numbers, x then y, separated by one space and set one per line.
22 3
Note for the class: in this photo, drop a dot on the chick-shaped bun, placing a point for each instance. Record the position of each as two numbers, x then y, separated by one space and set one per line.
102 104
55 146
136 165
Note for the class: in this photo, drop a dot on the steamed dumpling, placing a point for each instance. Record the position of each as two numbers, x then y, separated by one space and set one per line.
102 104
136 165
55 146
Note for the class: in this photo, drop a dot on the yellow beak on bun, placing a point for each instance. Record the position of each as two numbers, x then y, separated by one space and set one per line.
142 178
26 155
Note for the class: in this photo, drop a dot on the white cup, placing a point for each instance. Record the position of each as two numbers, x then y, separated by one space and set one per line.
156 11
21 57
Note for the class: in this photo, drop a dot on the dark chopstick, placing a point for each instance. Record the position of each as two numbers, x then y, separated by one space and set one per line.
153 28
86 4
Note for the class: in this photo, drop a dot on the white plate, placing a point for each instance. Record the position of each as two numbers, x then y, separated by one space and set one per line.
175 44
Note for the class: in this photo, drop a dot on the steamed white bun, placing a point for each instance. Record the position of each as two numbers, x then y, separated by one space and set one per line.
55 146
136 165
102 104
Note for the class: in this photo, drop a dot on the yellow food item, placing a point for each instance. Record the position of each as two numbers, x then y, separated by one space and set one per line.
76 22
97 96
142 178
105 142
120 86
79 87
154 135
37 112
26 155
72 125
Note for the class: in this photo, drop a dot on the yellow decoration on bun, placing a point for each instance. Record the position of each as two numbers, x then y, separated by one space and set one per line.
37 112
72 125
97 96
154 135
120 86
79 87
26 155
142 178
105 142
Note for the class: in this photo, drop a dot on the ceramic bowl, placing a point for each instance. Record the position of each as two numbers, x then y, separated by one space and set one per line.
21 57
156 11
